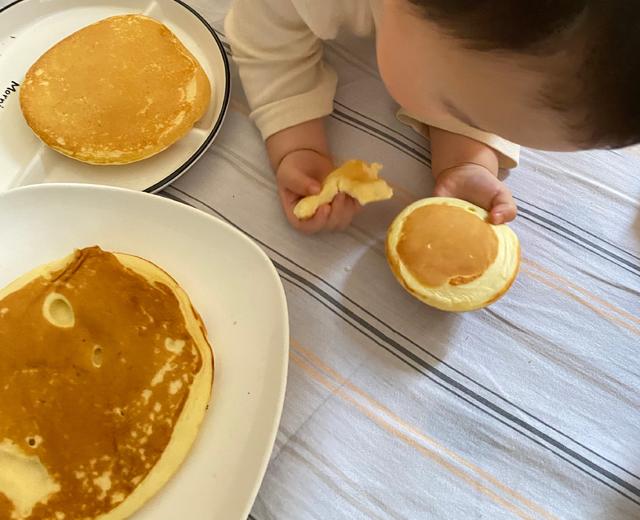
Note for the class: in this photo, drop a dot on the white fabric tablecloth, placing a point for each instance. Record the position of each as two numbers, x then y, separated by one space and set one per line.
529 409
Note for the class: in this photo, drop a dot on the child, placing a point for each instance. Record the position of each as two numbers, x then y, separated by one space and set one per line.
469 74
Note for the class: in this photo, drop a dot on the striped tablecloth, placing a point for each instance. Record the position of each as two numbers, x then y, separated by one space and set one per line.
529 409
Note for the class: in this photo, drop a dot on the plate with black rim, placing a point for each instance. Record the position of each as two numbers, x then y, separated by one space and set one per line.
28 28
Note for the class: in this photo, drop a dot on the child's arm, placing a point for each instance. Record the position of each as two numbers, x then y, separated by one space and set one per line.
290 90
300 157
468 169
280 63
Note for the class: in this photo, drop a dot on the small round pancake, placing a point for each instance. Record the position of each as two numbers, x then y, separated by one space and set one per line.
106 374
115 92
444 252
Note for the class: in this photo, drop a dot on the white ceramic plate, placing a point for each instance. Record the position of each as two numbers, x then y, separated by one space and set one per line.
28 28
231 282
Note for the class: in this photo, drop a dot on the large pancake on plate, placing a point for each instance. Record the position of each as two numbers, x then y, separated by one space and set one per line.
115 92
105 376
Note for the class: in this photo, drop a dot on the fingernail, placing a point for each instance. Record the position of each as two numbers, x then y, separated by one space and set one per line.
314 188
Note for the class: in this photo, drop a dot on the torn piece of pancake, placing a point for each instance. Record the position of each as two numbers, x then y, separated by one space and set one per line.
445 252
355 178
105 376
117 91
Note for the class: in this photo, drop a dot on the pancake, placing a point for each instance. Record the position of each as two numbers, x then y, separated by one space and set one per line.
445 252
115 92
106 374
355 178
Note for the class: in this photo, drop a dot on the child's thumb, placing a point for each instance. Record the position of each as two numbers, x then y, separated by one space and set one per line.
299 183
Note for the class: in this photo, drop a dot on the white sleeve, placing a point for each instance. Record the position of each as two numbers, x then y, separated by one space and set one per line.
508 152
280 64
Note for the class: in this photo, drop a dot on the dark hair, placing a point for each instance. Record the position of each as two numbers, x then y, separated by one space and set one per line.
603 87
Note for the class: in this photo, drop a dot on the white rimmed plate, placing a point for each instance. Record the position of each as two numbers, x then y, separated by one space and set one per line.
233 285
28 28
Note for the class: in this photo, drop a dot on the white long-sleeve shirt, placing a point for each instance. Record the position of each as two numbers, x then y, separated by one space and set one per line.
277 45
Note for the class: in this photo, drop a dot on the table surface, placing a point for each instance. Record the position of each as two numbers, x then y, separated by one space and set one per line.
528 409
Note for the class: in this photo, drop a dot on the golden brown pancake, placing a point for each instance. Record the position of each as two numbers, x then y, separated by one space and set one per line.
446 253
115 92
355 178
105 375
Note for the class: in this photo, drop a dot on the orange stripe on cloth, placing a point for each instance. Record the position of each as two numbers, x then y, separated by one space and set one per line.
600 312
337 384
582 290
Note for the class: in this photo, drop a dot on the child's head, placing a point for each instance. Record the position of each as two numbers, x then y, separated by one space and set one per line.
551 74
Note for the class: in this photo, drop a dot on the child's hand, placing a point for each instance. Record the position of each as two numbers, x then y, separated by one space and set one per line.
479 186
300 174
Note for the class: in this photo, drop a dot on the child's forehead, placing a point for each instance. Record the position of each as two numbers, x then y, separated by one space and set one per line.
505 93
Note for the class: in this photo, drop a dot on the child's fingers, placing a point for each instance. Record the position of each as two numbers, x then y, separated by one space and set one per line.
289 198
343 209
298 182
503 208
355 205
312 225
316 223
339 212
352 207
334 216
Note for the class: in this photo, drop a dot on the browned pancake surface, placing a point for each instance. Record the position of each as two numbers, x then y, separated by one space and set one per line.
96 402
115 92
446 244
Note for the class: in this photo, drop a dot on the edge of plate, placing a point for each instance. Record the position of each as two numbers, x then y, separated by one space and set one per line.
182 169
221 116
238 232
11 4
